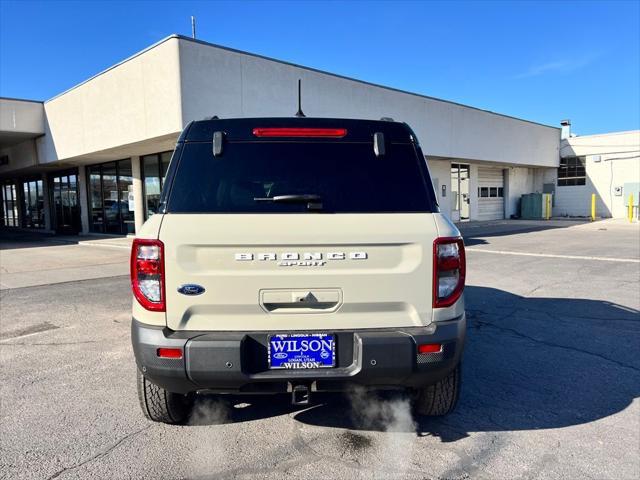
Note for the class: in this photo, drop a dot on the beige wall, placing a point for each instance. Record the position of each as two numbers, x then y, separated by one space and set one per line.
612 160
136 100
21 116
21 155
440 171
153 94
216 81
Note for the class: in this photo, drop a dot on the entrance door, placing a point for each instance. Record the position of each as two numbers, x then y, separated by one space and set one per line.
66 212
460 192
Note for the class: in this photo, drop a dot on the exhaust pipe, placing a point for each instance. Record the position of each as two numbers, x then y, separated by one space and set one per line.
300 395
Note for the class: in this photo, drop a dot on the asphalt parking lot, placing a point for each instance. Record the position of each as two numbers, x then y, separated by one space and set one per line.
551 379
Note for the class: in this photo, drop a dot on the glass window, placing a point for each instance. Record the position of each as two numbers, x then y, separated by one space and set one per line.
65 208
493 192
33 204
483 192
95 199
154 170
165 158
347 177
26 220
111 197
500 192
572 171
9 205
127 202
152 183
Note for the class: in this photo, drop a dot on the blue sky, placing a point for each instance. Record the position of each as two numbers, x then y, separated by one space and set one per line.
542 61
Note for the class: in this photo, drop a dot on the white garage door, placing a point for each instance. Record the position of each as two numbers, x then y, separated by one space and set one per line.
490 193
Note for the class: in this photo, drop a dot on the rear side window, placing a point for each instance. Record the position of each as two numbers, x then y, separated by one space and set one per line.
348 178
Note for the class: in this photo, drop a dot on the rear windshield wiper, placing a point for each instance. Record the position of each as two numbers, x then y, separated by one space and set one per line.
314 202
290 198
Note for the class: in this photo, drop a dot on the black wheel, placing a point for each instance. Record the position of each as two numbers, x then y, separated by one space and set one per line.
441 397
160 405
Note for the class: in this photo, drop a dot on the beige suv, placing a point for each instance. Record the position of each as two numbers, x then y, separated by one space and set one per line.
297 255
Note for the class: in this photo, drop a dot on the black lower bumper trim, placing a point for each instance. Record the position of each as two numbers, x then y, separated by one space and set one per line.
236 362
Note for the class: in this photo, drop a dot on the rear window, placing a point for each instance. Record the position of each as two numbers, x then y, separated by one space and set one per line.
348 178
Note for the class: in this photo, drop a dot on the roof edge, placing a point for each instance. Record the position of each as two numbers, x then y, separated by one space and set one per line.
621 132
13 99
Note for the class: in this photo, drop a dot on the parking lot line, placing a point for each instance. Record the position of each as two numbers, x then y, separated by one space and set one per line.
551 255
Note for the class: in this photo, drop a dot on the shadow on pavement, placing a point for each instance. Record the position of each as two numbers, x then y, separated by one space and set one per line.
10 240
530 363
476 233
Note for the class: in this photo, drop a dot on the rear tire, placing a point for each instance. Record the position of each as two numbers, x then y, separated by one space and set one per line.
441 397
159 405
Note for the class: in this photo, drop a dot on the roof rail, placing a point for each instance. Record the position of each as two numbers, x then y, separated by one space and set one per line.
387 119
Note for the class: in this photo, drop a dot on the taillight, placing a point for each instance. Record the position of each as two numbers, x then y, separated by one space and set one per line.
300 132
448 271
147 273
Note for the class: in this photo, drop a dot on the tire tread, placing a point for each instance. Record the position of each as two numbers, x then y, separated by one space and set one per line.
159 405
441 397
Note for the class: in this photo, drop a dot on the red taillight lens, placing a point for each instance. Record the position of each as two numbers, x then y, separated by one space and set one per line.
430 348
169 352
300 132
448 271
147 274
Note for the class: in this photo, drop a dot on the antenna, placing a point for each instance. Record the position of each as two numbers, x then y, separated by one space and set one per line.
299 113
193 26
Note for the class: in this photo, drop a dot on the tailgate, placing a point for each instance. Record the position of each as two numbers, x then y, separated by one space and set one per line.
298 271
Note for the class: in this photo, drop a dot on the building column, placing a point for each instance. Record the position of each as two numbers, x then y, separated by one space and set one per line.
510 204
83 184
46 205
138 212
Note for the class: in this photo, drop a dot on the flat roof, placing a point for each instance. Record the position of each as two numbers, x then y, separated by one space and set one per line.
21 100
622 132
311 69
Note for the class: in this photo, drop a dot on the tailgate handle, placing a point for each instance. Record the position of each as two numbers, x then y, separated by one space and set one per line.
317 300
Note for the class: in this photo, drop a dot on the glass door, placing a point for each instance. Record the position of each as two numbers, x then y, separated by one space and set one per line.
111 197
460 174
66 212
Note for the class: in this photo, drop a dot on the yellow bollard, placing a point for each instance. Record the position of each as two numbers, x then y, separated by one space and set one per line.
630 207
593 207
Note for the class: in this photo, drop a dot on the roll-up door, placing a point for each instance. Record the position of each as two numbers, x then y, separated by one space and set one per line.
490 193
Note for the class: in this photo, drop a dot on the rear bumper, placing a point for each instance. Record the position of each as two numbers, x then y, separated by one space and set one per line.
236 362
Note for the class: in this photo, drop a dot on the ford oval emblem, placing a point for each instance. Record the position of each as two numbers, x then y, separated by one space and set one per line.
280 355
191 289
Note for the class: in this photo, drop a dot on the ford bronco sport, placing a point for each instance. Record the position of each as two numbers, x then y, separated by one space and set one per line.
297 255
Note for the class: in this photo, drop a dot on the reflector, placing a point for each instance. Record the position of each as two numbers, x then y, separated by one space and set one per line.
170 352
430 348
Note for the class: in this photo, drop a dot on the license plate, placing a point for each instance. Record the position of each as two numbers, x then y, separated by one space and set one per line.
298 351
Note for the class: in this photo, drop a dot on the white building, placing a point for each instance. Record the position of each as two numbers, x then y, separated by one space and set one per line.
606 165
92 159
